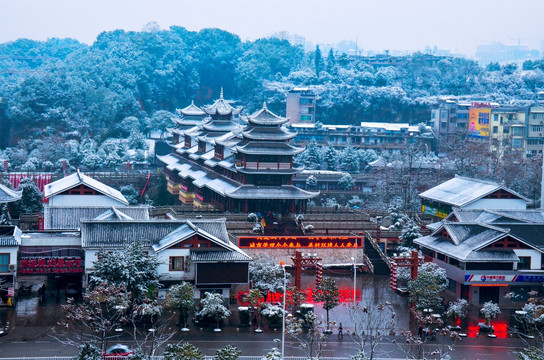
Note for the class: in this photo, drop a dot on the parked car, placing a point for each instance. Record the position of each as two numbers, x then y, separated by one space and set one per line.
72 290
118 350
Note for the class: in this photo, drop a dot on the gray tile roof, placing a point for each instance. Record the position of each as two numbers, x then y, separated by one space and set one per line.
271 192
78 178
8 195
70 217
268 147
266 117
192 110
268 133
219 256
221 107
114 234
498 216
10 235
461 191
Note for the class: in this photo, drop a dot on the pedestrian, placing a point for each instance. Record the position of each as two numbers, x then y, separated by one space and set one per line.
340 330
420 331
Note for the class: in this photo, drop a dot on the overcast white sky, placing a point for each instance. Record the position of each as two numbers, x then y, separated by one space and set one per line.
458 25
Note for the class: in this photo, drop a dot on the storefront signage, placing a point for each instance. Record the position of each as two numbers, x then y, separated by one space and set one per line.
295 242
483 278
433 211
60 265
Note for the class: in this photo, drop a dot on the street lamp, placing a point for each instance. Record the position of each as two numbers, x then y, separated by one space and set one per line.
354 278
282 263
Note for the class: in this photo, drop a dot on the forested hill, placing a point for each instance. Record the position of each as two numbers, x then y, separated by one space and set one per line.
67 90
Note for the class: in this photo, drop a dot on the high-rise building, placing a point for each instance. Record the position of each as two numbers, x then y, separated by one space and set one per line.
300 106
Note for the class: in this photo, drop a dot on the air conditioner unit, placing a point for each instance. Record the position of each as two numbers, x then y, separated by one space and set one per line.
11 267
187 263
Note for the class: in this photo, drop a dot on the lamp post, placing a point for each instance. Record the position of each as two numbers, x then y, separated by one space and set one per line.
354 279
282 263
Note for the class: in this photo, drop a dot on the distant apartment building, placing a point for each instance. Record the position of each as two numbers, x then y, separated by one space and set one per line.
535 131
506 128
450 117
300 106
368 135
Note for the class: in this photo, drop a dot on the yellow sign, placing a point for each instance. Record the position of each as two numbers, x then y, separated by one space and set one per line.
479 122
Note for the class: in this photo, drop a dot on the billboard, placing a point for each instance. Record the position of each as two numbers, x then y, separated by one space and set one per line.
479 119
295 242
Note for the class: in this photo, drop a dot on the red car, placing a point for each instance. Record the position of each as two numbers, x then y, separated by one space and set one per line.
118 350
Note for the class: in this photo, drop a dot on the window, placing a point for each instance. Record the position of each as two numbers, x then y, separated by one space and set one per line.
306 117
452 285
524 263
496 117
505 130
516 143
495 129
537 128
177 263
4 262
517 131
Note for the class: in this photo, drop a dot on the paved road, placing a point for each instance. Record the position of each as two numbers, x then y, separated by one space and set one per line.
259 344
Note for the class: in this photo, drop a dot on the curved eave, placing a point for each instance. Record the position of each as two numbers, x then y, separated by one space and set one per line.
262 152
266 121
269 171
269 136
286 192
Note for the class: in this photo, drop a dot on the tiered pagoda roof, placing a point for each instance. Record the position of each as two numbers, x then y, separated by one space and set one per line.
221 107
191 116
7 195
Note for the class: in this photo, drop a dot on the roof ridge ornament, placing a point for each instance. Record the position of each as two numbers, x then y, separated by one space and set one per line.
221 94
264 106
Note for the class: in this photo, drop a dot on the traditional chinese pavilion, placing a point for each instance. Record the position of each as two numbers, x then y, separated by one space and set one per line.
235 163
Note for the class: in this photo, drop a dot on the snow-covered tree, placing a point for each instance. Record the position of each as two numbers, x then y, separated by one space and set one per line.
350 161
490 311
410 232
212 307
312 159
311 182
355 201
31 199
274 353
94 319
372 323
130 267
330 158
181 297
396 218
346 182
88 351
426 288
184 351
457 309
229 352
327 292
266 276
130 193
312 341
92 161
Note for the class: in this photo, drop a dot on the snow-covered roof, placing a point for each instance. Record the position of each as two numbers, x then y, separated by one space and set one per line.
219 256
266 117
461 191
77 179
269 148
10 235
192 110
62 217
8 195
390 126
113 214
494 216
221 107
270 192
